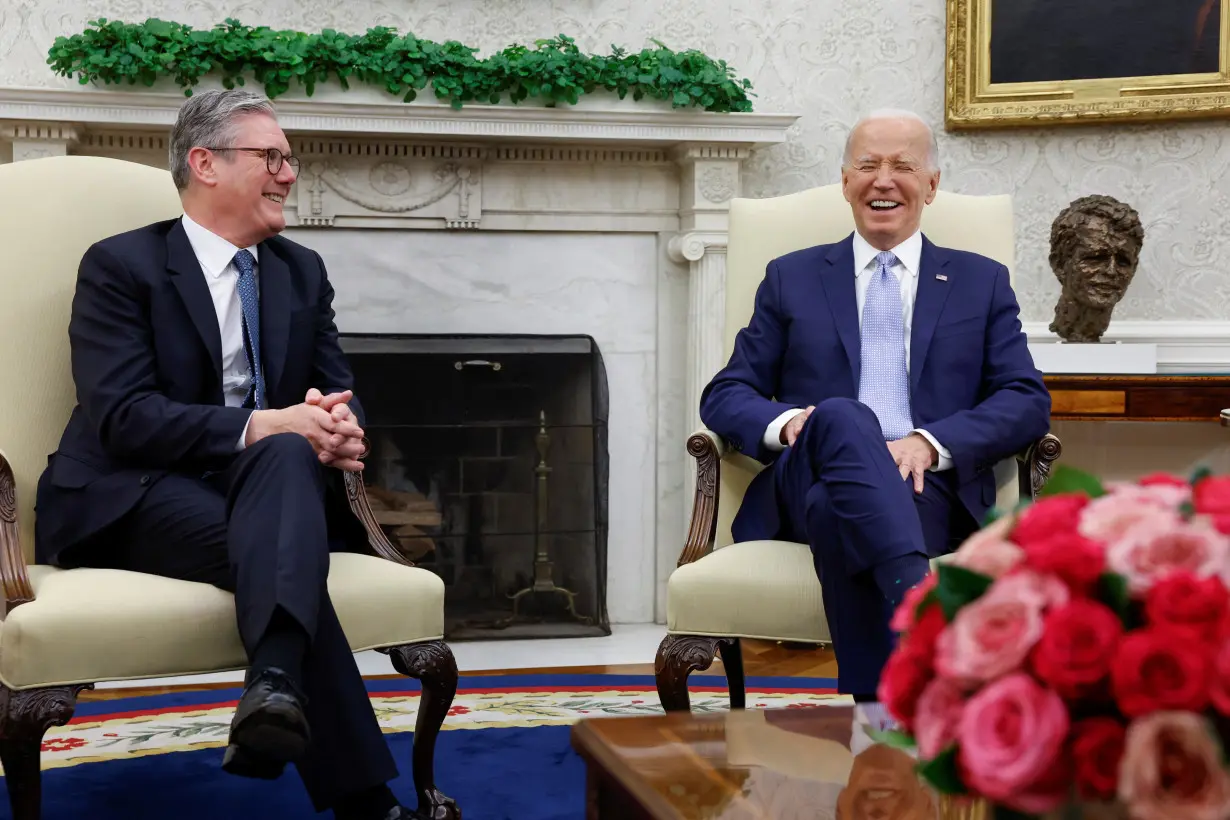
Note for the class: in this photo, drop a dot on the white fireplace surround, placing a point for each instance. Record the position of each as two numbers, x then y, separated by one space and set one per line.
608 218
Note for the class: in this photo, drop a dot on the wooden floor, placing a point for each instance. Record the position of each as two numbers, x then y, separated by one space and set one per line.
760 658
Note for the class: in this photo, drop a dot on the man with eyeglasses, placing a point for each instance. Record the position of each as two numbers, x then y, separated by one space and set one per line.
880 378
214 411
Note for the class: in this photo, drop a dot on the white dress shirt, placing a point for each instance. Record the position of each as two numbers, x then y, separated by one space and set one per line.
909 256
217 258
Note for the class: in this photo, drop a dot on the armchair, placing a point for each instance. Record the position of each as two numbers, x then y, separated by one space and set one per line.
62 631
723 591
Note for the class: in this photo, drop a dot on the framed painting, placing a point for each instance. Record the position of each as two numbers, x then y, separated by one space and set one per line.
1052 62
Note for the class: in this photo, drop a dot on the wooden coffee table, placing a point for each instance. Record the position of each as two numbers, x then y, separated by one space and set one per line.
752 764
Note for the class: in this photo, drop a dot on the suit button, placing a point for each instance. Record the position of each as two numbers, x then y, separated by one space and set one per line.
144 480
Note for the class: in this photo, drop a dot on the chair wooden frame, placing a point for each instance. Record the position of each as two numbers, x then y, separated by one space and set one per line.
681 655
26 714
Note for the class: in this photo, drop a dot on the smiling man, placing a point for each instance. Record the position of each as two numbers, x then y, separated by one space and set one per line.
214 416
882 378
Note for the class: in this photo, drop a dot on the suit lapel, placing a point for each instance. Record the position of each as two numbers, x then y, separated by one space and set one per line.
275 294
189 280
928 304
838 282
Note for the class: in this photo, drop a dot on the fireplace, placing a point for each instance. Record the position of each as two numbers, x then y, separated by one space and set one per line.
489 467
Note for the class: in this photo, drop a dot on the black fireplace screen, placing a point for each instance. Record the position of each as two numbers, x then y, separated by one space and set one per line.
489 466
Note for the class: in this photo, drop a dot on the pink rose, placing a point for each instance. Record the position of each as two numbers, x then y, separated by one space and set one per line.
1119 512
937 716
1172 769
1158 545
1010 738
907 611
989 551
992 635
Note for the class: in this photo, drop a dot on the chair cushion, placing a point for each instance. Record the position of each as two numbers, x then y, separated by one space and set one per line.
91 625
752 589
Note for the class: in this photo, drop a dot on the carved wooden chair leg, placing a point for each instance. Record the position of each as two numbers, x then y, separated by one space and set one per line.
680 656
25 716
732 661
432 663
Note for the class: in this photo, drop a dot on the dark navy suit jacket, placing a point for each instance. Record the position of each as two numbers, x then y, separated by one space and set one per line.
147 364
973 384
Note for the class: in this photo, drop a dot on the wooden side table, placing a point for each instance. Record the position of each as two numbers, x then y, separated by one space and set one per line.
753 764
1162 397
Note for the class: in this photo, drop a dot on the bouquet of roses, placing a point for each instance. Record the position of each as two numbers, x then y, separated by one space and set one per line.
1077 651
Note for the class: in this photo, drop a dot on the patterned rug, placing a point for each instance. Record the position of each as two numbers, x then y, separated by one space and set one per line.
505 751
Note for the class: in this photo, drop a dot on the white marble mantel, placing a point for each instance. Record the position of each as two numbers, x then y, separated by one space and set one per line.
575 200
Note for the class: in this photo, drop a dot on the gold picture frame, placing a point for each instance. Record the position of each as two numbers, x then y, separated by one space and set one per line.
1051 55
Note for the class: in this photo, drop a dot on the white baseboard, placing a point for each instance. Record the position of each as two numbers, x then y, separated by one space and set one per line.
1197 347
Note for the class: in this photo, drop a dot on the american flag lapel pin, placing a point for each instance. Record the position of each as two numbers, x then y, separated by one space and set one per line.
941 277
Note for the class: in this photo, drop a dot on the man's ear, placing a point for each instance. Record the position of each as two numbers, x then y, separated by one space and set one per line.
203 165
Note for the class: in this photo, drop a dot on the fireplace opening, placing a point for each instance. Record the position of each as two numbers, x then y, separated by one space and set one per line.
489 467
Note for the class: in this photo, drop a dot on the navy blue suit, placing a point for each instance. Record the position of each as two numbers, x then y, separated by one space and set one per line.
147 476
973 386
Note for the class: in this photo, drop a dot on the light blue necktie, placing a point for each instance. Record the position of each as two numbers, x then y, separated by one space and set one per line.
884 384
249 300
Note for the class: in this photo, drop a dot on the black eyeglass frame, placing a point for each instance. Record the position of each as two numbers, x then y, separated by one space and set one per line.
273 157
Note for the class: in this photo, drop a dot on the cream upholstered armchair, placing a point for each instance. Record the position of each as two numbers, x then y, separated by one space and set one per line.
64 630
722 591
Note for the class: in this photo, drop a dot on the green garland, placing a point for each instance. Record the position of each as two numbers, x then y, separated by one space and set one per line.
554 70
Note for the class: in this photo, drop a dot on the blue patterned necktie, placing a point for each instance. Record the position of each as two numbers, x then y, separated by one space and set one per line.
250 302
884 385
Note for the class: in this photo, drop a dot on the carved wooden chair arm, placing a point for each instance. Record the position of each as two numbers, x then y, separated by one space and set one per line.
707 447
1034 468
356 494
13 575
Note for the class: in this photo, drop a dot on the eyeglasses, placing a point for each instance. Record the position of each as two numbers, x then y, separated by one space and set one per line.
273 157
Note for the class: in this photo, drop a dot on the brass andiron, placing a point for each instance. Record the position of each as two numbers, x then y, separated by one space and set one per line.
543 567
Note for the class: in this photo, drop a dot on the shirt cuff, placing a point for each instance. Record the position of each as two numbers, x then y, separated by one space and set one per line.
773 433
944 462
243 437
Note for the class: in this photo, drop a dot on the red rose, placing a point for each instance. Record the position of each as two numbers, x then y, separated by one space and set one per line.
1160 668
1097 747
1183 601
904 677
1162 479
1049 517
1219 692
921 639
1211 495
1079 643
1071 556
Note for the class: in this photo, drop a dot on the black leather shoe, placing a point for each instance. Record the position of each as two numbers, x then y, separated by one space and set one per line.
269 729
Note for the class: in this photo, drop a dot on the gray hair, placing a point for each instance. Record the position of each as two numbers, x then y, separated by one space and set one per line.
208 119
933 152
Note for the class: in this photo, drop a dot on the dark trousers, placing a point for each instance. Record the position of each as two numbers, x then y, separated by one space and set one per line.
261 529
839 491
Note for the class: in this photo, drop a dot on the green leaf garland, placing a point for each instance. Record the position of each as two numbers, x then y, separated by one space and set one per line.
553 70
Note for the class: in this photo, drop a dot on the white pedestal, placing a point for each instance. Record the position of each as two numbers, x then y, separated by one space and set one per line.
1095 357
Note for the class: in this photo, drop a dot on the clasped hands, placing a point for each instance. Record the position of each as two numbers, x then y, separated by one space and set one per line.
913 454
325 421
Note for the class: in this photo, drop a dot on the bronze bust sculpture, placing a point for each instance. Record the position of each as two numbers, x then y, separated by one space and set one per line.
1095 247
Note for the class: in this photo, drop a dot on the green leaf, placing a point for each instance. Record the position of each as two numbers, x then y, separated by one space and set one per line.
993 515
892 737
1113 591
957 586
1199 474
941 772
1067 479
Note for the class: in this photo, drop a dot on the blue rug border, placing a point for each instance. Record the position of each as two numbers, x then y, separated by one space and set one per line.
209 697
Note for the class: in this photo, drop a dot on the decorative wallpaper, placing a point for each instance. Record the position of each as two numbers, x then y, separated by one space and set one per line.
830 62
